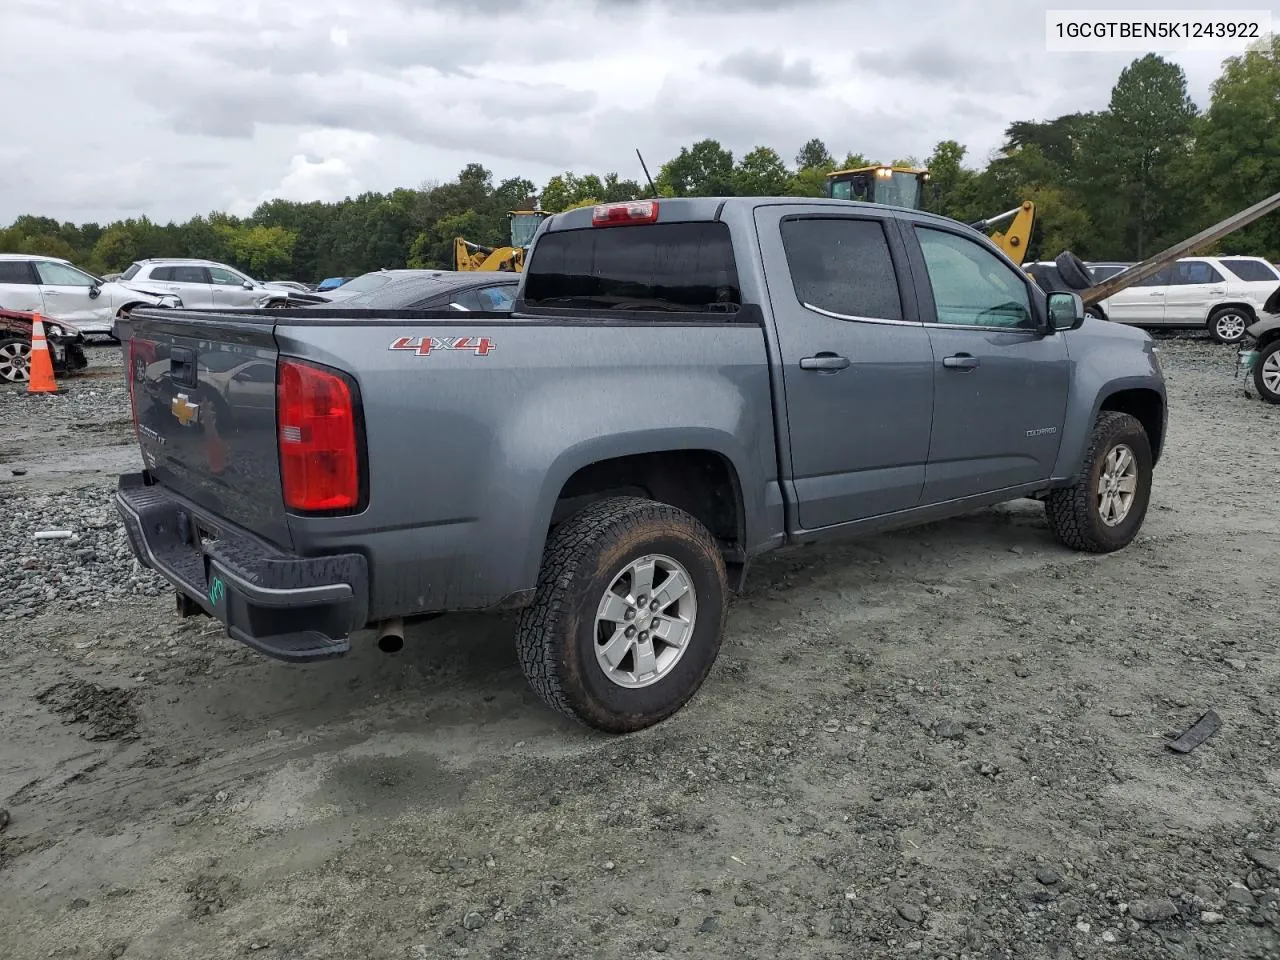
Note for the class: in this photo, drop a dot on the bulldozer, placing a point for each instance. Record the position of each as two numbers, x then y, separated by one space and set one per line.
510 259
904 187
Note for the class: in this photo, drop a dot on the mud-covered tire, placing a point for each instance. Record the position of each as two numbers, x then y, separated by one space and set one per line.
1228 324
1266 365
1074 512
556 636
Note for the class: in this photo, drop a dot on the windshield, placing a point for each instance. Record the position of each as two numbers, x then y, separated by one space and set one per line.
370 281
523 227
899 190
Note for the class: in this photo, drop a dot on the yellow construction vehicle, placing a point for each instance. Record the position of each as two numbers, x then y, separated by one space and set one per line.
896 186
474 256
904 187
1015 239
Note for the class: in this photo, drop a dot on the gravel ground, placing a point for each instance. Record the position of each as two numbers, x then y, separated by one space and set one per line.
945 742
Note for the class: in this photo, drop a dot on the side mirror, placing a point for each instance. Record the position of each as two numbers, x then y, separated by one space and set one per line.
247 285
1066 310
94 292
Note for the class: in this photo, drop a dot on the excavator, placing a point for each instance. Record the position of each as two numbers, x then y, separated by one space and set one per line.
904 187
473 256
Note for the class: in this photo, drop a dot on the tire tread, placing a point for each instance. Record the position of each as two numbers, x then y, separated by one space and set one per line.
573 545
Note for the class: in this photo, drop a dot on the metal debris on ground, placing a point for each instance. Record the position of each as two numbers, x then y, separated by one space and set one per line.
1197 733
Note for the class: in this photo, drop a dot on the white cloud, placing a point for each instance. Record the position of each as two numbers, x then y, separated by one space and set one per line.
170 108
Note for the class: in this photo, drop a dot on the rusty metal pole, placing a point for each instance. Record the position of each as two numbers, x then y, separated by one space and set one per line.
1153 265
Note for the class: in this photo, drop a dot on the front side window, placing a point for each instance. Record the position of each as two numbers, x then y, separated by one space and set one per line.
1161 279
683 267
972 287
1195 271
842 266
63 275
225 278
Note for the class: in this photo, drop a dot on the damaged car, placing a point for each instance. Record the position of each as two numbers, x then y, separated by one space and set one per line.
66 346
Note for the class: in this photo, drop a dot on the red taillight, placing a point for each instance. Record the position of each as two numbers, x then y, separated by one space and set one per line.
630 212
316 424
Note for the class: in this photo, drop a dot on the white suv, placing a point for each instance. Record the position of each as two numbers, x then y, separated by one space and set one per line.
1224 294
203 284
58 290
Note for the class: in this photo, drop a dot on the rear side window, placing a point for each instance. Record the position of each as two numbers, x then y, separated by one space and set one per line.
686 267
843 266
16 271
1195 271
1251 271
131 272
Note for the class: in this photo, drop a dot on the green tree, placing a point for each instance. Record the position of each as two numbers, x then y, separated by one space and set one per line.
1132 152
814 155
702 170
761 173
1237 161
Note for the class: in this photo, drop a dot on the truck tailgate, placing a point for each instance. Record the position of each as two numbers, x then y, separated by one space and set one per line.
204 400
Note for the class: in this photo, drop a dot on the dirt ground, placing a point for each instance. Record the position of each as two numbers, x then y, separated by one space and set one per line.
945 742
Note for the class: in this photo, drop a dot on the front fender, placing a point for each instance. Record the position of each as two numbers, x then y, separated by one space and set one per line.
1109 359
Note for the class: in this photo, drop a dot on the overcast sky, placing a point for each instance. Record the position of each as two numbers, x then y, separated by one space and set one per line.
171 108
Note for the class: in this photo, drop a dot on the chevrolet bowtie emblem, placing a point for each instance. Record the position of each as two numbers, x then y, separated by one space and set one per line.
184 409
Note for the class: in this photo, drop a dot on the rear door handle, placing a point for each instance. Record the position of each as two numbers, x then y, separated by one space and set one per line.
961 361
824 361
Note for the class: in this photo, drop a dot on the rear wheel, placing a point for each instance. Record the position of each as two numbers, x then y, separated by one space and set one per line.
1266 372
628 616
1228 324
15 360
1103 510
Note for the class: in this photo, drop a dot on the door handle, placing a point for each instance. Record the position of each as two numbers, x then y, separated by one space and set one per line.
824 361
961 361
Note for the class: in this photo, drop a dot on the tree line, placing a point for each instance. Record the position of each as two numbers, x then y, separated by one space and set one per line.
1119 183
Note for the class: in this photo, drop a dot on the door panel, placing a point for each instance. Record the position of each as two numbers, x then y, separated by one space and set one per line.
68 295
856 362
228 289
1000 383
1141 304
1195 285
191 284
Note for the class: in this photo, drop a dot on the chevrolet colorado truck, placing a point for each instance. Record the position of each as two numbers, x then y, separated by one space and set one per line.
684 384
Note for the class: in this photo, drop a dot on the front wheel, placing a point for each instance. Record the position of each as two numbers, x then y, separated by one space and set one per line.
1103 510
628 616
1266 372
1228 324
15 360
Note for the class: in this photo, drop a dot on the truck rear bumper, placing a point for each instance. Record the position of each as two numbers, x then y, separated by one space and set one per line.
291 608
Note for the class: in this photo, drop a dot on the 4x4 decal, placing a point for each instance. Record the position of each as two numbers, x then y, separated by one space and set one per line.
423 346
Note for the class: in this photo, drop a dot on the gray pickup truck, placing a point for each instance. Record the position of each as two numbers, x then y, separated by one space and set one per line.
683 385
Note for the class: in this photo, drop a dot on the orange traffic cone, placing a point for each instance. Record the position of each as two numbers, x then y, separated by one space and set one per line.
39 364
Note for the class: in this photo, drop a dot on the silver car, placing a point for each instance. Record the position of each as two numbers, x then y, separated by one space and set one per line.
203 284
59 290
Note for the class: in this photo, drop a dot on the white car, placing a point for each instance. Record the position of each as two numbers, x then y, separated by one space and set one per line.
1224 294
57 289
202 284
